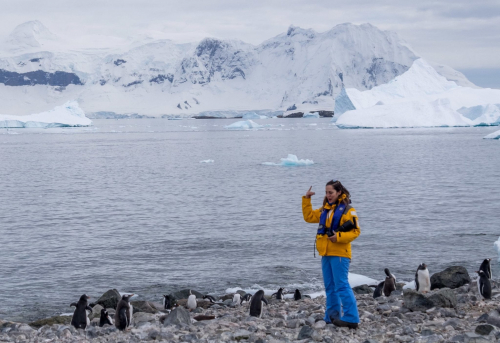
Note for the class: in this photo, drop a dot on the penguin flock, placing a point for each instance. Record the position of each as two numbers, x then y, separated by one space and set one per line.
123 316
423 281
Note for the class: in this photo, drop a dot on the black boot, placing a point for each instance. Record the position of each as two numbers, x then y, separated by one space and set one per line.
341 323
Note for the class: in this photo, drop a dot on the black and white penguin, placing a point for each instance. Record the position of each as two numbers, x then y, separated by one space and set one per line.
210 298
123 314
257 303
378 291
105 318
191 303
484 285
80 319
486 268
167 302
422 279
279 294
246 298
297 295
389 283
236 299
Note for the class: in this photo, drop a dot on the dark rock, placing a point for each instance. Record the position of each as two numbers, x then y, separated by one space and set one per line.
110 299
305 332
484 329
451 277
39 77
66 320
179 316
184 294
363 289
416 301
426 332
143 306
370 341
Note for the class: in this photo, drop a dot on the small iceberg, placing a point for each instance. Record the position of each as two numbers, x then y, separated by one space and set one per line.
497 245
207 161
311 115
290 160
244 125
68 115
494 135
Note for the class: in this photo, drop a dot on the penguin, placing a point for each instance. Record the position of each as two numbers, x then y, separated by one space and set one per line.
191 303
297 295
80 319
210 298
236 299
486 268
378 291
484 285
105 318
279 294
167 302
123 314
422 279
389 283
256 304
246 298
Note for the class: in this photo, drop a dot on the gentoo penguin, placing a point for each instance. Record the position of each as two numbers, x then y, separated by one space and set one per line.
279 294
389 283
484 285
246 298
80 320
256 304
105 318
191 303
422 279
297 295
210 298
123 314
378 291
236 298
486 268
167 302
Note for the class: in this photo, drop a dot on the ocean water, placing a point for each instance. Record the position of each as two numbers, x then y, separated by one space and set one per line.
127 204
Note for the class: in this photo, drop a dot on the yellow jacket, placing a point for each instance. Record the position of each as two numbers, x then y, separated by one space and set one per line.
324 246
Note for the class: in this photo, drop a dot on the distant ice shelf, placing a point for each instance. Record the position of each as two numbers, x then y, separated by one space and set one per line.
68 115
290 160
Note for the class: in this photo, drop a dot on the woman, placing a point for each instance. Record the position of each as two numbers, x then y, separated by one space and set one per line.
333 242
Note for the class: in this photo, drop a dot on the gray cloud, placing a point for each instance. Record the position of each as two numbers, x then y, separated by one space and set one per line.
459 33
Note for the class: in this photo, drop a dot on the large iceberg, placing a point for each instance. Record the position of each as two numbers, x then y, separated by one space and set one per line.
244 125
69 114
407 114
494 135
482 115
290 160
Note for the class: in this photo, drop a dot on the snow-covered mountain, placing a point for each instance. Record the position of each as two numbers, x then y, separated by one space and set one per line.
299 70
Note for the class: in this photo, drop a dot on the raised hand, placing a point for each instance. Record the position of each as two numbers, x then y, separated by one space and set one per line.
309 194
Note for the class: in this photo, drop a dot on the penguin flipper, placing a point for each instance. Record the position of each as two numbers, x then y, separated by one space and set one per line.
72 304
89 308
417 286
265 301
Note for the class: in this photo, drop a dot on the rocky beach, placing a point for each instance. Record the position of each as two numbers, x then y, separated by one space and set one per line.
455 312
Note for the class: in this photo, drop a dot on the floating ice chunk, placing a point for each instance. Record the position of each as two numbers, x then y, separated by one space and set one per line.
207 161
69 114
290 160
410 285
494 135
358 280
311 115
497 245
244 125
253 115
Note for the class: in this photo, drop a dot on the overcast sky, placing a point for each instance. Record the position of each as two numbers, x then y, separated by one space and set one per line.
463 34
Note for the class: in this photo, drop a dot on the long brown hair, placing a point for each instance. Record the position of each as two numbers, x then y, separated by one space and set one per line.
337 185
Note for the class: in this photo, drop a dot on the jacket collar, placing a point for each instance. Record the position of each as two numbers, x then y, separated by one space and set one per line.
331 207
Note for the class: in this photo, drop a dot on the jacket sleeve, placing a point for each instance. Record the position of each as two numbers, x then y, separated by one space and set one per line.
348 237
310 215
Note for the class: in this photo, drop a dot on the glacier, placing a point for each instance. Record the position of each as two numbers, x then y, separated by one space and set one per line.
69 114
482 115
290 160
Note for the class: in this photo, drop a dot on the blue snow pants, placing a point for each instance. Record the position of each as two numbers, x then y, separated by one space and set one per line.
340 300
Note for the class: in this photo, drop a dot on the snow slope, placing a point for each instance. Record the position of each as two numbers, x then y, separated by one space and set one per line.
69 114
